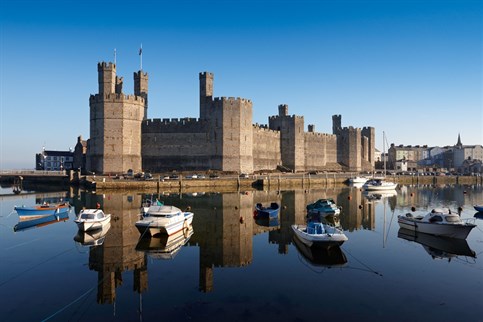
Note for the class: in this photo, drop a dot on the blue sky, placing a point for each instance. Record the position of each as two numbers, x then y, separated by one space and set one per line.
412 69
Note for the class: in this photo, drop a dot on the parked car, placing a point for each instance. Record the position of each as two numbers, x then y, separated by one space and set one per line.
244 175
174 176
214 176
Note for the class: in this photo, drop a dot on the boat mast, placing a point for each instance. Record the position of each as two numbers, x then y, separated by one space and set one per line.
384 151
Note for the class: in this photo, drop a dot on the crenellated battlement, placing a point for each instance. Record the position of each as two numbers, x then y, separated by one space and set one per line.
232 100
318 134
290 117
105 65
116 97
174 125
350 129
264 128
140 74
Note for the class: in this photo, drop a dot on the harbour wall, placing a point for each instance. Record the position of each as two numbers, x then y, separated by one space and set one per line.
268 182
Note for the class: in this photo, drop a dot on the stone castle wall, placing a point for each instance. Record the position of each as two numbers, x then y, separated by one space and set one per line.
223 138
174 144
266 148
320 150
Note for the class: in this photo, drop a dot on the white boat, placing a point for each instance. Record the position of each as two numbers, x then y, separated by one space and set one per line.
91 219
316 233
439 222
164 220
356 180
379 185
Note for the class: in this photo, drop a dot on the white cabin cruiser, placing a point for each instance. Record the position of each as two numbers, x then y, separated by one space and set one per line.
438 222
92 219
164 220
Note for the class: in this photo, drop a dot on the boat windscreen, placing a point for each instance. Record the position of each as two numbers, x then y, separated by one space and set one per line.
453 219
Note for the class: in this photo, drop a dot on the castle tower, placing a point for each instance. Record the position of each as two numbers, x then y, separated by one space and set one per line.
292 139
336 124
141 89
206 94
107 77
370 133
114 145
231 133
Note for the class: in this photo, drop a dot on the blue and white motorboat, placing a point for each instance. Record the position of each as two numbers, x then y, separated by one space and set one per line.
323 207
45 209
317 234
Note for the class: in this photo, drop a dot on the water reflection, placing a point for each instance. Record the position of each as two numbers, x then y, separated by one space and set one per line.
438 247
226 240
25 222
224 226
92 237
162 246
321 256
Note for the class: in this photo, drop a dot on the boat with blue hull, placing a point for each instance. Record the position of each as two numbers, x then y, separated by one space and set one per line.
267 212
323 206
478 208
44 209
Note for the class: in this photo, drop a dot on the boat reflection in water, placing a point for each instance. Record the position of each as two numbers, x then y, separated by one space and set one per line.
36 222
92 237
163 246
267 222
377 196
321 255
438 247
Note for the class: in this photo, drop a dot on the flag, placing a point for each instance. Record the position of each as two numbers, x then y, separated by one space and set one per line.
140 51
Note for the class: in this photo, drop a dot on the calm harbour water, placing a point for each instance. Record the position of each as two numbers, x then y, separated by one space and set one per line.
232 268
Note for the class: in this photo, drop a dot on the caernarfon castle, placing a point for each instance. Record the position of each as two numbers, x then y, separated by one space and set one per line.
223 138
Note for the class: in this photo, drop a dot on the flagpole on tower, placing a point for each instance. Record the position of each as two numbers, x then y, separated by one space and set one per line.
141 57
114 56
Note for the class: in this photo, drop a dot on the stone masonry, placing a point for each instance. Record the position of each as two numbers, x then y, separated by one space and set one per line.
223 138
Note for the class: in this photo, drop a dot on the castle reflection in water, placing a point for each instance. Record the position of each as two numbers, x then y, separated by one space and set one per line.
224 227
